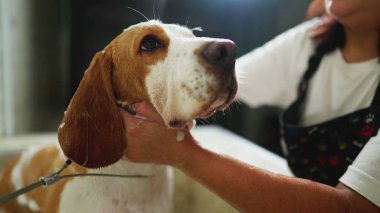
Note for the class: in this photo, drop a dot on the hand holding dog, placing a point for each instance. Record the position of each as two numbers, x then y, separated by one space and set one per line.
151 141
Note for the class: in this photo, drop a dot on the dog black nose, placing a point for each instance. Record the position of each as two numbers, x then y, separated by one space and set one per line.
221 53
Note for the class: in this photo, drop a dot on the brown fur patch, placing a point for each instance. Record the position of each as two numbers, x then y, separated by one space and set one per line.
131 64
93 134
44 162
187 89
6 186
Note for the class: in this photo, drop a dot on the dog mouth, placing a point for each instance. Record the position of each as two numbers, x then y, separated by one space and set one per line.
181 124
219 103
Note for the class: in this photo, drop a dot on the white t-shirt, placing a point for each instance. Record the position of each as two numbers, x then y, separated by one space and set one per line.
269 75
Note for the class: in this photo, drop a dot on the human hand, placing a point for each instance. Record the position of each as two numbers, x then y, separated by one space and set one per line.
316 8
149 140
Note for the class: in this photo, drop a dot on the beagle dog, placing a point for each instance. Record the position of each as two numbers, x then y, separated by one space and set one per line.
184 77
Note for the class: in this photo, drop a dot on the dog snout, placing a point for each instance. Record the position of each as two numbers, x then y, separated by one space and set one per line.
221 53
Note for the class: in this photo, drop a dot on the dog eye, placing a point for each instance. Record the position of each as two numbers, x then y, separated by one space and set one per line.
150 43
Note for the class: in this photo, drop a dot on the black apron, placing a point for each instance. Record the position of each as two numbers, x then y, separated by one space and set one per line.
322 152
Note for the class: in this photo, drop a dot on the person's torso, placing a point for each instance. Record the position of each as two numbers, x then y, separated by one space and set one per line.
338 88
332 119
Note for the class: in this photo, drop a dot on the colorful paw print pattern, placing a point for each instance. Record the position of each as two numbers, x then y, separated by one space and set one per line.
323 152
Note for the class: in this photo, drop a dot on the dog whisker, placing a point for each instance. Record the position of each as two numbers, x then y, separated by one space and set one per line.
187 21
131 8
201 121
154 13
209 120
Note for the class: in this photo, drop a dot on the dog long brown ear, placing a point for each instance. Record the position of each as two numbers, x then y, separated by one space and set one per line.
91 133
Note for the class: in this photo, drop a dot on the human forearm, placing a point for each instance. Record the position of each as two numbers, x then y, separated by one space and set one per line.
250 189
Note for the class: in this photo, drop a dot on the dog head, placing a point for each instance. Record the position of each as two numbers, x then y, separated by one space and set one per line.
184 77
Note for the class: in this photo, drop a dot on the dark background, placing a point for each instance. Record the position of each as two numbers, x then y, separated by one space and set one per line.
249 23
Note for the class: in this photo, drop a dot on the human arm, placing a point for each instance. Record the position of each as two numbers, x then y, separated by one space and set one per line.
269 74
364 174
244 186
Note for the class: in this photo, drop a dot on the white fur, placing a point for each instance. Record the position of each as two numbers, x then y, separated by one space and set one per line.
109 194
62 125
17 178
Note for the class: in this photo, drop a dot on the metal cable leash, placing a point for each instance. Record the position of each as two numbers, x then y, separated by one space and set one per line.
54 177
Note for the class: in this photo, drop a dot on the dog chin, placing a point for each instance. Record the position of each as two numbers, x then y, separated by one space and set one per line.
221 103
209 109
189 124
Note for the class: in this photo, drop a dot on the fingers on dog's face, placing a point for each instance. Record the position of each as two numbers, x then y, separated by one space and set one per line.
147 111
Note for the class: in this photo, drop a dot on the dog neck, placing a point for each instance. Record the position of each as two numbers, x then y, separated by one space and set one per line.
122 194
125 167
